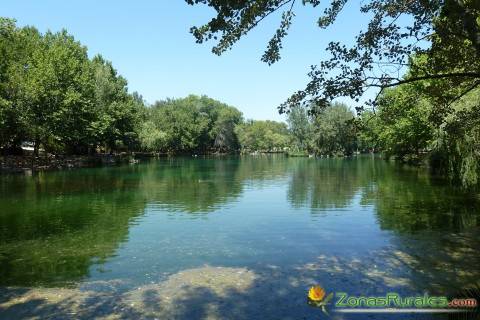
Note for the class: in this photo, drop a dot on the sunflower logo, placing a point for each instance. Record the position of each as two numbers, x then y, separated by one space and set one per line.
317 297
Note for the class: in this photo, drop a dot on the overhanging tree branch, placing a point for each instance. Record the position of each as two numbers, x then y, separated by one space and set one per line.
474 75
472 87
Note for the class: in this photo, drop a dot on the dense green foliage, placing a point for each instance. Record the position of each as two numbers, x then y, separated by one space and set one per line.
300 127
192 124
334 131
53 95
263 136
400 127
433 120
329 132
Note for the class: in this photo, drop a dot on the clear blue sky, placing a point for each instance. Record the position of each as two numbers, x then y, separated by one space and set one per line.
150 45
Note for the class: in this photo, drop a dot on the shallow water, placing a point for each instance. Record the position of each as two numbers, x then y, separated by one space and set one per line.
360 225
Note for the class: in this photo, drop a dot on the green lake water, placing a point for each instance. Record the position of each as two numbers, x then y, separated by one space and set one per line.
359 225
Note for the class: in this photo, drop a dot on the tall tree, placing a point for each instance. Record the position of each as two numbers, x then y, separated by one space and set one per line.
403 115
16 49
263 135
299 126
224 129
117 111
334 131
58 93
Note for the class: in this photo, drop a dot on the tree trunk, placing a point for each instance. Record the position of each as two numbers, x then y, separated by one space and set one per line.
36 147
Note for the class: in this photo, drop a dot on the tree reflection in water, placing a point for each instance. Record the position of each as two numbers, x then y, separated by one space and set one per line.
55 226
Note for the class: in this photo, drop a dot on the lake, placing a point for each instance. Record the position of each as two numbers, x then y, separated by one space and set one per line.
234 237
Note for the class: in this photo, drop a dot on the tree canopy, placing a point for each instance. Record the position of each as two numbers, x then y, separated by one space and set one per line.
263 135
53 95
300 127
447 33
191 124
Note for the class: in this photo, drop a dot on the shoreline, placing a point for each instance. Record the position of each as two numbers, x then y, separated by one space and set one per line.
29 163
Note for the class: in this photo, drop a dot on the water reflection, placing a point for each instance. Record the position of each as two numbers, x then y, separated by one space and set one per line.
55 226
406 199
328 183
190 186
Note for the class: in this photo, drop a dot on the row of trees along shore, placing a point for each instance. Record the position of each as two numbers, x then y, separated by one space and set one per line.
54 97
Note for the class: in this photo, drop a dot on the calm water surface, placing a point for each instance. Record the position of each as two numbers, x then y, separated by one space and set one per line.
361 225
